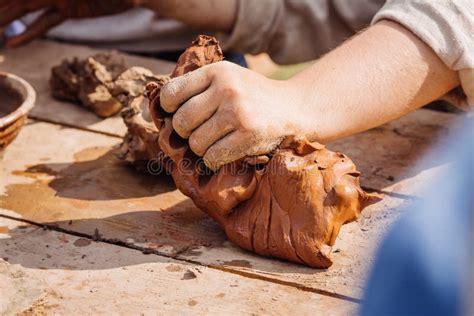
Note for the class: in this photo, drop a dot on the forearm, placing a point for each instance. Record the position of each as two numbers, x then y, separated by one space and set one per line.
216 15
379 75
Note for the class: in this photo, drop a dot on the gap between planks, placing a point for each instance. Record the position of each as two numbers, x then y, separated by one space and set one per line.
73 126
144 250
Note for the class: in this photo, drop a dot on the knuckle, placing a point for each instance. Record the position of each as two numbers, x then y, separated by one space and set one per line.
226 65
209 71
221 70
221 66
229 91
210 159
247 125
180 124
252 132
228 117
247 122
195 144
189 107
168 95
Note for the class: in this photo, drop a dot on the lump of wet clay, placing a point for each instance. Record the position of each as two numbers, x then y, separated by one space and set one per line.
102 83
289 204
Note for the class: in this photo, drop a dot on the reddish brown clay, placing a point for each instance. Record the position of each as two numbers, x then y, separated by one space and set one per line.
140 144
289 204
101 83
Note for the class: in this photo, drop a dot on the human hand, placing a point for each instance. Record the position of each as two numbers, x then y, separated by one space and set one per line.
229 112
56 12
294 204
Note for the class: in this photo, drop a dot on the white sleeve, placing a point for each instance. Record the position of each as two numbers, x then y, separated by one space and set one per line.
447 26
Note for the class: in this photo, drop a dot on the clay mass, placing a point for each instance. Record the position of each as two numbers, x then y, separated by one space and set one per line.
105 85
289 204
102 83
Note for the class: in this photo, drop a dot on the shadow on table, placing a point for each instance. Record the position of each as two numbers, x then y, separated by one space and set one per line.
98 174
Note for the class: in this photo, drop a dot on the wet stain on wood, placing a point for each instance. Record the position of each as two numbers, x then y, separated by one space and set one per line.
98 190
96 176
82 242
238 263
173 268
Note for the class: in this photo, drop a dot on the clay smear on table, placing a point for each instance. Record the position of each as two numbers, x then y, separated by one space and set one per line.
289 204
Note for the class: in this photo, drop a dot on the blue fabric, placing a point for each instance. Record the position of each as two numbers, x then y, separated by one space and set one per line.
236 58
15 28
424 265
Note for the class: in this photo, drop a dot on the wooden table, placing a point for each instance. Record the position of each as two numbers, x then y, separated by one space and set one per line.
80 232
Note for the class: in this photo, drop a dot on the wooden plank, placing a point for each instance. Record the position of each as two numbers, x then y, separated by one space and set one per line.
388 156
47 272
34 61
71 179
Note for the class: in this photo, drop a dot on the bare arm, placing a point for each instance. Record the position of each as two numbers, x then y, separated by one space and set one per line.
229 112
379 75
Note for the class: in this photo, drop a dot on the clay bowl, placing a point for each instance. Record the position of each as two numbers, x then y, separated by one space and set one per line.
17 98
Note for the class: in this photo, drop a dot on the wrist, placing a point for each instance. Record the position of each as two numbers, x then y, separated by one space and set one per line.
305 111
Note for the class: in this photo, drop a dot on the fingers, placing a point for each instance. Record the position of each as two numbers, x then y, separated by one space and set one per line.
236 145
38 28
230 148
180 89
210 132
194 112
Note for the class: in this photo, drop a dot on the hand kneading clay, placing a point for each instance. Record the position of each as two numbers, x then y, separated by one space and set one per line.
289 204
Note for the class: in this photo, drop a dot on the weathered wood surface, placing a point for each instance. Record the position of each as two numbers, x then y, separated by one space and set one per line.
34 61
48 272
71 179
388 156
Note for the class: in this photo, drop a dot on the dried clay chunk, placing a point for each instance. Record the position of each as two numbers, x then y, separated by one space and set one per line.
289 205
101 83
140 145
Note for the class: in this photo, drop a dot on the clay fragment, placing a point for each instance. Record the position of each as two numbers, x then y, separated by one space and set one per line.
102 83
289 204
140 144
